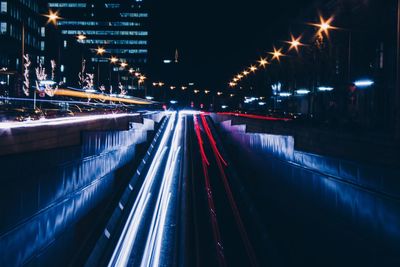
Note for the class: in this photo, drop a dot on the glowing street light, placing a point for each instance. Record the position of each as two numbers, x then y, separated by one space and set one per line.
172 87
245 73
235 79
253 68
124 64
184 88
295 43
100 51
196 91
232 84
277 54
52 17
239 76
219 93
325 88
324 26
206 91
131 70
113 60
80 37
263 62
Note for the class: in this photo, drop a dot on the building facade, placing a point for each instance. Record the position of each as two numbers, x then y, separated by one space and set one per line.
21 26
119 27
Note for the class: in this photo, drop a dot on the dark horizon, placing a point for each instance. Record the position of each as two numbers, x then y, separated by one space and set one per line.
216 39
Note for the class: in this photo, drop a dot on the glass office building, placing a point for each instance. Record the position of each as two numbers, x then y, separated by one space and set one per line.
118 26
20 31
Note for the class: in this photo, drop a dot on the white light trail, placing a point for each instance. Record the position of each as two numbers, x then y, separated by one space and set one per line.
303 91
152 252
61 121
364 83
325 88
127 239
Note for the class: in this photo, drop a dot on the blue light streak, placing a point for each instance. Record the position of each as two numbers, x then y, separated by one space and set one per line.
155 236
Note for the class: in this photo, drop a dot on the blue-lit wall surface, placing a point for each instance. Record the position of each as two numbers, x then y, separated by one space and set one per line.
348 211
46 193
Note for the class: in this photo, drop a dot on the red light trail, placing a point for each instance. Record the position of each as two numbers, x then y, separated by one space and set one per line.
253 116
214 222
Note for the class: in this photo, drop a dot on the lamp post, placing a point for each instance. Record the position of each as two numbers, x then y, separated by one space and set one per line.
141 80
99 51
131 71
52 18
113 60
123 65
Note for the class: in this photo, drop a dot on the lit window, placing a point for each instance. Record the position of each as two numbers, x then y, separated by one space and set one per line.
127 51
97 23
65 43
114 42
62 68
43 31
3 27
70 5
89 32
3 7
111 5
134 15
42 45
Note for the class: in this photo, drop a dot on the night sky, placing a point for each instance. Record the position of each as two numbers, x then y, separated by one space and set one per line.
217 38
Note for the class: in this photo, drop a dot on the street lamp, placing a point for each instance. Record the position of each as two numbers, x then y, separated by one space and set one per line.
295 43
113 61
277 54
324 26
52 17
141 80
99 51
123 65
263 62
80 37
253 68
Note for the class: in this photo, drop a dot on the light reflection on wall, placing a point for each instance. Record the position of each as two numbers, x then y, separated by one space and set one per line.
47 192
365 195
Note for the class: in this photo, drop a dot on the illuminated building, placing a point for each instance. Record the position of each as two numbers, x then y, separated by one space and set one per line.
20 22
120 27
